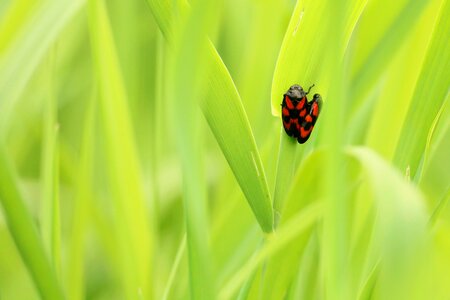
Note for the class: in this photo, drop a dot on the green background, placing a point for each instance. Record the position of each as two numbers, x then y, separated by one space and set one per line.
142 154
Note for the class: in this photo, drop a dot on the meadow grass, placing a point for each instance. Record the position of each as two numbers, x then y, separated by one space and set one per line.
142 154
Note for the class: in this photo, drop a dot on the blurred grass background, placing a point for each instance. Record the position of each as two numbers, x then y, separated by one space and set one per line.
142 154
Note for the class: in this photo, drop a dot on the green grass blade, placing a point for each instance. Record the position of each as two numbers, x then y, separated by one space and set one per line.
163 13
399 74
174 269
336 215
301 53
441 205
132 225
75 277
441 117
224 112
374 64
285 171
39 29
368 286
436 166
433 84
401 228
187 70
227 119
50 218
25 234
305 284
297 225
245 289
305 45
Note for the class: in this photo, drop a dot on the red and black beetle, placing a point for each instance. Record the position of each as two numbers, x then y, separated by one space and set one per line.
299 116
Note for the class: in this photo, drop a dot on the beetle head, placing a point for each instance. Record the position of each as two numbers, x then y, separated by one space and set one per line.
296 92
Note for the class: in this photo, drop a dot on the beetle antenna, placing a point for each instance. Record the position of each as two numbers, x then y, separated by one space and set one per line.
309 89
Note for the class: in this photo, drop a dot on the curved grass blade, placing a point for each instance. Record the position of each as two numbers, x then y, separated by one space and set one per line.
297 225
301 60
380 55
430 92
225 114
368 286
40 27
435 169
395 75
25 234
437 211
301 53
306 44
401 227
228 121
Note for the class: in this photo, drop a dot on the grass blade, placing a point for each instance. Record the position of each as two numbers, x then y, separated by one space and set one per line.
50 218
225 114
305 45
132 226
285 171
435 169
286 233
228 121
25 234
305 285
401 227
433 83
174 269
41 28
75 286
187 74
386 45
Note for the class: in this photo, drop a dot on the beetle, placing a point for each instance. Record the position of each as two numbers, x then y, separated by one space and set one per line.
298 115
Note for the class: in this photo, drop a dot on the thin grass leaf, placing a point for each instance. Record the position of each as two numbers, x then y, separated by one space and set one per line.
435 169
299 60
132 226
25 234
286 233
75 274
387 44
224 112
336 215
305 46
40 27
294 67
228 121
285 171
187 75
441 205
245 289
401 227
445 108
368 287
400 73
50 218
283 267
304 285
174 269
433 84
304 59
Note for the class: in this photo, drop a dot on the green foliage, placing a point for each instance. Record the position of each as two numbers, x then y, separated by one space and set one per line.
142 154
